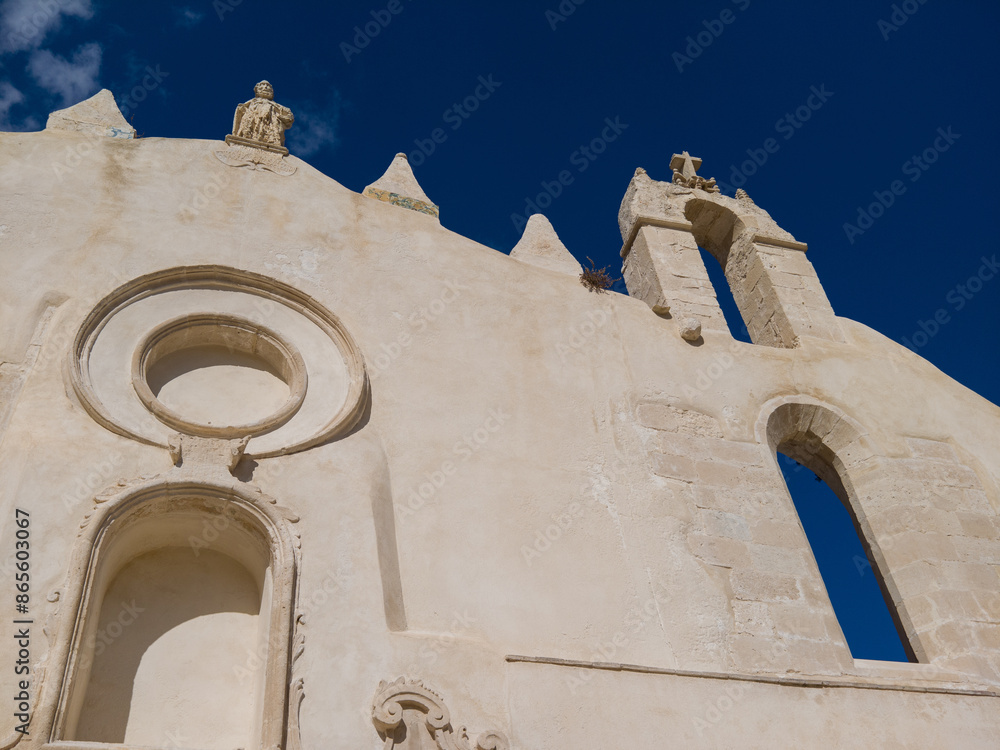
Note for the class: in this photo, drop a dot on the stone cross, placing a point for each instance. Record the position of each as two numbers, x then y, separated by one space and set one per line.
686 164
686 169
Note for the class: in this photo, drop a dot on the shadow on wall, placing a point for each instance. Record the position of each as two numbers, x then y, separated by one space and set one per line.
171 652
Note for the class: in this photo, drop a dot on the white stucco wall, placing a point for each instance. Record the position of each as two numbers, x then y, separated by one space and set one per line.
518 403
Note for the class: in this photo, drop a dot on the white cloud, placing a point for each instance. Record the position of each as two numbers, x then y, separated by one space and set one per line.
9 96
74 79
188 17
24 24
314 129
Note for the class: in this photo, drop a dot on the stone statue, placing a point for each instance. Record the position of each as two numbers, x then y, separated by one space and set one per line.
258 137
261 122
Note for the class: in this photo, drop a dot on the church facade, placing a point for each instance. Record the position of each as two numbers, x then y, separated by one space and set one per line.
288 467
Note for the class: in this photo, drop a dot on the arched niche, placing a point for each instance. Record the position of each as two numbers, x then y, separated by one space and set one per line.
177 623
838 450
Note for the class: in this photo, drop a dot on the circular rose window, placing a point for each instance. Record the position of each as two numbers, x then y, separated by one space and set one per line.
219 376
219 353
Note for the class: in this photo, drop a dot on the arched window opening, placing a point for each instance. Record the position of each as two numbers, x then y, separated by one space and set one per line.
723 292
854 583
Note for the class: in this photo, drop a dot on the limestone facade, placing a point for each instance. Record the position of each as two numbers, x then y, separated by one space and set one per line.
300 468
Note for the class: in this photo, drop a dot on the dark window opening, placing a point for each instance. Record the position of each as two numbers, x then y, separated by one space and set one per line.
724 294
855 586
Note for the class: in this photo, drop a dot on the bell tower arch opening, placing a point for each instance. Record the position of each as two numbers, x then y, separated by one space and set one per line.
727 302
773 284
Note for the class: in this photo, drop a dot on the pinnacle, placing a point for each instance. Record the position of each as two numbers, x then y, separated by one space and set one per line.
541 246
399 187
98 115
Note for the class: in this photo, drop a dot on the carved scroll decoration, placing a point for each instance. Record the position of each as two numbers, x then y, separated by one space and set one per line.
408 714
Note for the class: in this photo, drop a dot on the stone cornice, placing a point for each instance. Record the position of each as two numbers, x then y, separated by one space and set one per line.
686 226
652 221
816 682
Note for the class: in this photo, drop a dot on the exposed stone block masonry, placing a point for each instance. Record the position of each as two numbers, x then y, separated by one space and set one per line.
264 582
775 287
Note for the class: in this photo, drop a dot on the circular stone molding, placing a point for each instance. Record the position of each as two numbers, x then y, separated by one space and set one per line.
232 334
272 325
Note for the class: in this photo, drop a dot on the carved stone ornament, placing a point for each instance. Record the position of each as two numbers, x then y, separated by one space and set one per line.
201 453
254 316
411 716
686 169
258 137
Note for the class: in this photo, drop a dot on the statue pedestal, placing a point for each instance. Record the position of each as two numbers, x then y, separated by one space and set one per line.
235 140
256 156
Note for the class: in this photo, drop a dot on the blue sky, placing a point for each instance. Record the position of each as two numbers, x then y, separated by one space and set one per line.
838 102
